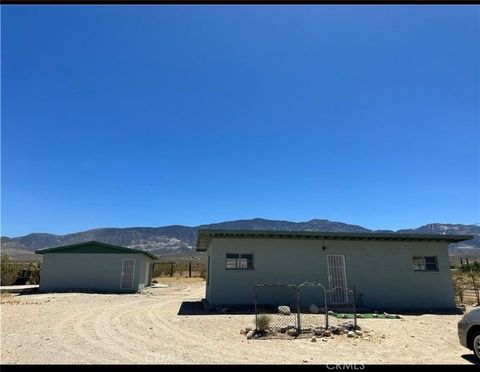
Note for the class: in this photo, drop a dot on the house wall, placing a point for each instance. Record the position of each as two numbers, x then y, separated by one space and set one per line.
98 271
381 271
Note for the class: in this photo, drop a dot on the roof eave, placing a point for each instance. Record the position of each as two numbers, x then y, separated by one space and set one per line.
93 242
205 237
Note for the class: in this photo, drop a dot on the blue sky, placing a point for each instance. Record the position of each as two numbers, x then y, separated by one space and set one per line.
116 116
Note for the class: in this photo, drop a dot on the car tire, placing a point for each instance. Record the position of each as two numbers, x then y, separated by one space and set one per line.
476 344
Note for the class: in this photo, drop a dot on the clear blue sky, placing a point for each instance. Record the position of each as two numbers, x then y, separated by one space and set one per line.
116 116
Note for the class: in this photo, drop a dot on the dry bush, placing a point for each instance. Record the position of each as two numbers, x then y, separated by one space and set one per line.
9 271
465 284
263 322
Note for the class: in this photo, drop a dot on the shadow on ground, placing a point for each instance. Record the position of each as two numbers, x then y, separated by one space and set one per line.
197 308
471 358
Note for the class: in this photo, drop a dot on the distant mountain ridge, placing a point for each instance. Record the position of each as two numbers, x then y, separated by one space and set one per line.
181 239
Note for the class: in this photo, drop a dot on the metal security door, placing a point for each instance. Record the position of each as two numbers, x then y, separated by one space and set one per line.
337 279
128 270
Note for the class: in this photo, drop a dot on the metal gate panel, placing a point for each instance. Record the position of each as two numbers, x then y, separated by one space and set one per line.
337 279
128 272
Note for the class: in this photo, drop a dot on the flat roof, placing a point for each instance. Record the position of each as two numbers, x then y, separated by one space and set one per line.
205 236
109 248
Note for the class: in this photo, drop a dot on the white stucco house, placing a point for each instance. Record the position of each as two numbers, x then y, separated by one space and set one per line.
388 270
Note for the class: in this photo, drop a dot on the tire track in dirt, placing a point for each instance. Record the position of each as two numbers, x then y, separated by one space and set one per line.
106 333
171 326
150 334
116 336
122 333
64 328
202 342
92 334
87 327
109 336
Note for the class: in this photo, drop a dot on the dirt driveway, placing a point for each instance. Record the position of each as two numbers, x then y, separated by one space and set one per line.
139 328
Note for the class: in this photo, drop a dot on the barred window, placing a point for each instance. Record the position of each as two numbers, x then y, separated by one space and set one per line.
239 261
425 263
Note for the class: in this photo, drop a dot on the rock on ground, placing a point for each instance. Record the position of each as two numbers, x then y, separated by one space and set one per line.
292 332
318 331
285 310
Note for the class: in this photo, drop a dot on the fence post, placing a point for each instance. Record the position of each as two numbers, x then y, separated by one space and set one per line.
475 285
190 269
171 269
354 308
298 309
326 308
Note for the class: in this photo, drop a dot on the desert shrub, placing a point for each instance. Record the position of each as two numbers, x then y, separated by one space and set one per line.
459 285
466 286
34 269
9 271
471 267
263 322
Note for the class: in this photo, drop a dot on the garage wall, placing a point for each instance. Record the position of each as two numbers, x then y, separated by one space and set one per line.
145 275
99 271
382 271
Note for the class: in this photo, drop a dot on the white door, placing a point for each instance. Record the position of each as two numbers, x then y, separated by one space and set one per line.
128 270
337 279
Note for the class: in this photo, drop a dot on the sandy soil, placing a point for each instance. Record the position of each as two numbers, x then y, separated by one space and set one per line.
146 328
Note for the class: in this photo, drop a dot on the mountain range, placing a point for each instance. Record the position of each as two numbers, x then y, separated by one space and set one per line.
179 239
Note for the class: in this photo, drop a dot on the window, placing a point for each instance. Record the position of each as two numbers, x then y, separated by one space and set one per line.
237 261
428 263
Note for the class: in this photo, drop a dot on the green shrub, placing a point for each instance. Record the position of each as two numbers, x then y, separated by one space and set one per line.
263 322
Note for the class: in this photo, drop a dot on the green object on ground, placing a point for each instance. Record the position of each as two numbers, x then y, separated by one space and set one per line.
364 316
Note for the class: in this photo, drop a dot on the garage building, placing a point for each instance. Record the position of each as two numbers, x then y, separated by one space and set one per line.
95 266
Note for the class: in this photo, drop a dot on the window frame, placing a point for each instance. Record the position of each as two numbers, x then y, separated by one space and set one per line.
424 265
237 262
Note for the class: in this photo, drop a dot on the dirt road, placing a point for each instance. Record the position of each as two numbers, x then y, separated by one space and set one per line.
139 328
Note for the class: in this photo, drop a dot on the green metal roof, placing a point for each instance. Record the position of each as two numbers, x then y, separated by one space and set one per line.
98 248
204 237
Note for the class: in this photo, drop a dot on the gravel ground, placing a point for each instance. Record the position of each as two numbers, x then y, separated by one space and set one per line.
140 328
